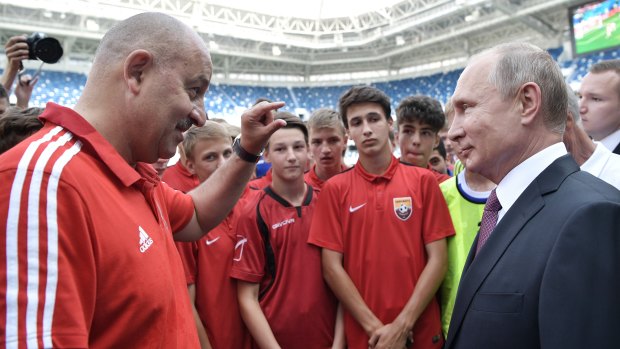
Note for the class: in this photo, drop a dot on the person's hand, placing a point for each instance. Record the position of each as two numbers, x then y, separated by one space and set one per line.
257 125
23 90
390 336
16 50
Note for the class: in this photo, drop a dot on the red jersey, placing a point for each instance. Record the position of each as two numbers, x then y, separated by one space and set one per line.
272 250
88 240
179 178
311 177
207 265
381 225
260 183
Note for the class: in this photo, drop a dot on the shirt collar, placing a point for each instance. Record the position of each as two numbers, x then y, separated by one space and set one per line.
520 177
596 162
388 174
611 142
95 144
314 177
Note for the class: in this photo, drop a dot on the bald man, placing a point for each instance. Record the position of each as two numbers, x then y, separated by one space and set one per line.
88 259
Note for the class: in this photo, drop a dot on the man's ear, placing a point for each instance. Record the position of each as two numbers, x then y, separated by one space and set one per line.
570 122
135 67
529 102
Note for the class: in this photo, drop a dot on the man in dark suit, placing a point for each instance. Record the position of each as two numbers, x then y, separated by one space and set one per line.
548 274
600 103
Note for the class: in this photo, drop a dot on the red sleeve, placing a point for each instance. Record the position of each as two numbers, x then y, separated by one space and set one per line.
437 223
188 252
249 257
326 228
66 280
179 206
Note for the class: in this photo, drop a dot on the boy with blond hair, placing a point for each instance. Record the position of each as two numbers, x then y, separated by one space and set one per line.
207 261
328 141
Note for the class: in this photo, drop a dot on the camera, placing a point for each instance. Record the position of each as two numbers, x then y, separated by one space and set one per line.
45 48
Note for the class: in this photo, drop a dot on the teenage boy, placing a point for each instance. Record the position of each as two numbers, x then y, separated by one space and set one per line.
207 261
177 176
438 160
282 296
328 141
382 226
419 119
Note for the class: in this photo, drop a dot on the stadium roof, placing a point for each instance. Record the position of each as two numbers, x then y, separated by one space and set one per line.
263 46
309 9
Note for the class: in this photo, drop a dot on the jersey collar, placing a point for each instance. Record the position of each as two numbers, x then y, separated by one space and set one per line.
307 200
96 145
387 175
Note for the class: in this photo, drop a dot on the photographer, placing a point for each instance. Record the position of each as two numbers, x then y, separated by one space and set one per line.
37 46
16 50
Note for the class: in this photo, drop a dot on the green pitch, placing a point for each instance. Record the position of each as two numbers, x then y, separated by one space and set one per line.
597 38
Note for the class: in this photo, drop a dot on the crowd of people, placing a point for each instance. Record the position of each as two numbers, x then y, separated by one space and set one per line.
496 227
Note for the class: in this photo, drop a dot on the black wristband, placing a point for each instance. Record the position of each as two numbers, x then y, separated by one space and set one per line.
244 154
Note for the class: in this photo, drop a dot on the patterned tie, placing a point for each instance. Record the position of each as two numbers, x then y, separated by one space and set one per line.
489 219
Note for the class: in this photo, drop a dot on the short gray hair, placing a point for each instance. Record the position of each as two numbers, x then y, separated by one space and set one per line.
160 34
520 63
573 105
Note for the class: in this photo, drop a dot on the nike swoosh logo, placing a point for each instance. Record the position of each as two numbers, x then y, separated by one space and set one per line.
353 209
209 242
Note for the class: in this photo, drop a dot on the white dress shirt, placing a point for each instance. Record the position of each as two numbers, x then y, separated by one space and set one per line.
611 142
515 182
604 164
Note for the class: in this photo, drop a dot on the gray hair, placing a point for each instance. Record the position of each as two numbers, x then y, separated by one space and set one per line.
158 33
520 63
573 105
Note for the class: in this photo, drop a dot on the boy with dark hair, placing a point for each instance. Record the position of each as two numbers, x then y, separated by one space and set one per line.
17 124
419 119
207 261
328 141
382 227
282 296
438 160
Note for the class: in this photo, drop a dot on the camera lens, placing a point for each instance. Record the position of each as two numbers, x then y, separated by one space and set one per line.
44 48
48 50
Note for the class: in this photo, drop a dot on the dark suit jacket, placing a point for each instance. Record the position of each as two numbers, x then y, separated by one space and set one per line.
549 274
617 150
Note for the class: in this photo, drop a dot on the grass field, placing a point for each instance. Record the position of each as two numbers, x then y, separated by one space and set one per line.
597 38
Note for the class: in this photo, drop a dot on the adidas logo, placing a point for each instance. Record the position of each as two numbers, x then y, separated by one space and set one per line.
145 240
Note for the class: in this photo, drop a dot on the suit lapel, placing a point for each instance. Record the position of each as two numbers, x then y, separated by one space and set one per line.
477 268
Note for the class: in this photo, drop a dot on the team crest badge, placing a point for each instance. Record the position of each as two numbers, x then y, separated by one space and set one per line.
403 207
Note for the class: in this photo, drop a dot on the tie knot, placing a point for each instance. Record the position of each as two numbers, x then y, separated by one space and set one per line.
492 203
